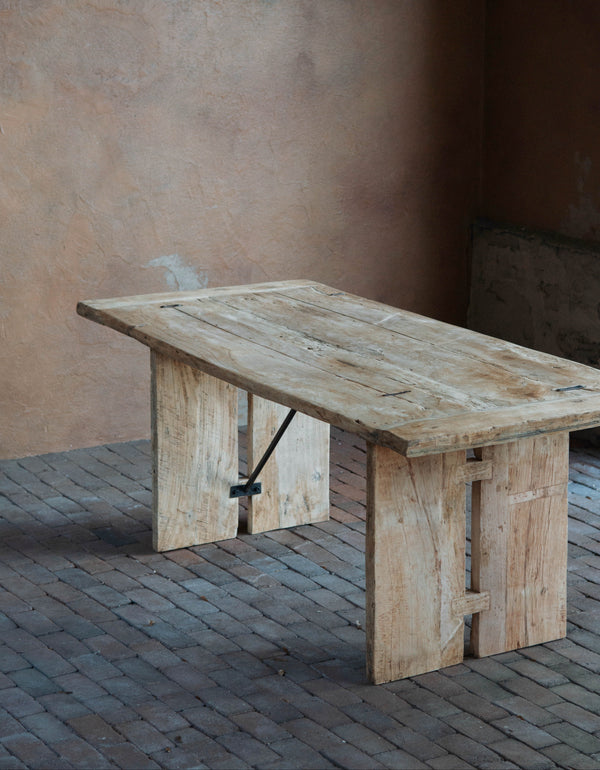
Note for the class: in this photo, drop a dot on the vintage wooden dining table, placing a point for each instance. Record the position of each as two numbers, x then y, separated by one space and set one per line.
444 411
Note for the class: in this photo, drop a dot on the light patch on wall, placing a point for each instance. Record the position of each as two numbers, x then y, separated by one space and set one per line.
179 275
583 220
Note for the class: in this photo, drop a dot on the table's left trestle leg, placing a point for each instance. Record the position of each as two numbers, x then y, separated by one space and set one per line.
195 455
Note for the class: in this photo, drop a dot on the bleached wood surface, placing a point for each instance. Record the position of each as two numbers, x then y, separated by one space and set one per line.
519 544
295 480
195 456
415 563
401 380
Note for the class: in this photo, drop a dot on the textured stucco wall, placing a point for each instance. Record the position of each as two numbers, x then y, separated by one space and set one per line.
148 145
541 156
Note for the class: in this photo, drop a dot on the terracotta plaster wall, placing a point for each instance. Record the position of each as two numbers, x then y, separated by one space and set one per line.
148 145
542 115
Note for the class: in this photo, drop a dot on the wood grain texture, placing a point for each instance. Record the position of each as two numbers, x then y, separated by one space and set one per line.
295 480
409 383
519 544
415 560
195 456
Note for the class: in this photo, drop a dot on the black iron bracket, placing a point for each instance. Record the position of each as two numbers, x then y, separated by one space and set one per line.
252 487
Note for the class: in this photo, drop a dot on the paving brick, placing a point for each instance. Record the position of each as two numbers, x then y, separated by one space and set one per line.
576 715
139 670
332 692
107 596
565 756
33 682
48 662
450 762
127 690
80 686
145 736
156 654
526 757
223 701
32 751
111 709
18 703
108 647
543 675
260 727
248 664
234 681
474 728
533 692
95 731
128 757
529 711
295 754
415 743
94 667
79 754
579 695
348 756
188 677
573 736
11 661
48 728
581 675
35 623
400 760
8 725
313 734
420 721
363 738
78 627
273 706
484 687
180 759
248 748
63 705
525 732
440 683
469 750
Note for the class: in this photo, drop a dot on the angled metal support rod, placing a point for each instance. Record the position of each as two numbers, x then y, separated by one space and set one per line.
251 487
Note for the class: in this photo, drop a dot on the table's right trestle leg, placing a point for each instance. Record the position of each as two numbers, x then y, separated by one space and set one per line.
415 560
519 544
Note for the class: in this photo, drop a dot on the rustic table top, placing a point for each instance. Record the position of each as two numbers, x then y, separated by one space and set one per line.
411 383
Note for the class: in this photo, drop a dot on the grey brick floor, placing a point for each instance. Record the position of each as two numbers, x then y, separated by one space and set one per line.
250 653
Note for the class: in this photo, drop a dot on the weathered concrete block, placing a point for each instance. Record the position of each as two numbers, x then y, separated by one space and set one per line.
538 289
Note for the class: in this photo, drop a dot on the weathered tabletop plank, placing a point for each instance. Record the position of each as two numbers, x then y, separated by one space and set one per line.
414 384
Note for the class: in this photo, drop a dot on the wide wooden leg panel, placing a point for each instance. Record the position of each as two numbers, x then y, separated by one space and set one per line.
295 480
415 561
195 456
519 544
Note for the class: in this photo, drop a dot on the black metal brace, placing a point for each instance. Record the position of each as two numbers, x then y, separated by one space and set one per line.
251 487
